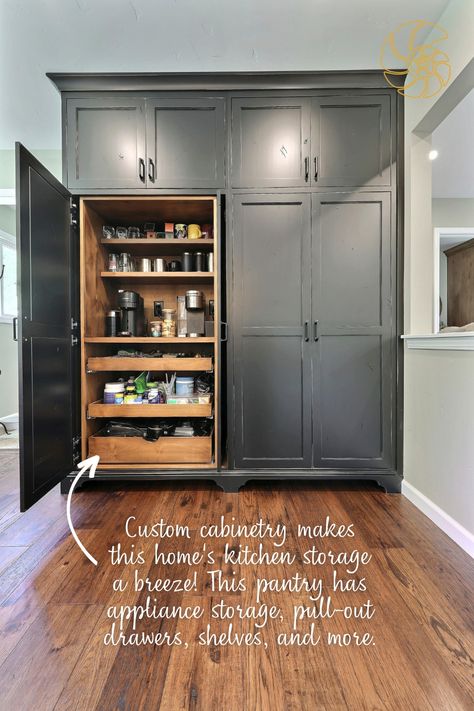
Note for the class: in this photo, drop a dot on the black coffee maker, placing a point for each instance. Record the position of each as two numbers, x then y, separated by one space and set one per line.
133 315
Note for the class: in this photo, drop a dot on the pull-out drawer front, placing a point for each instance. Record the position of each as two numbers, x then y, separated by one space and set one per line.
166 450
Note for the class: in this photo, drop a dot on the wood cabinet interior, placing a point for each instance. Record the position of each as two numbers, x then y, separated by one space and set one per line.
99 293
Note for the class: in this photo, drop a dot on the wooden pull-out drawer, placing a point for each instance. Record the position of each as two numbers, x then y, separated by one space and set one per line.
166 450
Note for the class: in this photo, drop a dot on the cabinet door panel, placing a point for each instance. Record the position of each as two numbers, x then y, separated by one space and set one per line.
270 142
105 143
350 141
185 140
46 362
354 305
271 302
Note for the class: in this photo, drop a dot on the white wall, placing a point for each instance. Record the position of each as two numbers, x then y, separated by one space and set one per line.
439 385
451 212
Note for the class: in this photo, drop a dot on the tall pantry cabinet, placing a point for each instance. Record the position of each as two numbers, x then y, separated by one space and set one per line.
299 176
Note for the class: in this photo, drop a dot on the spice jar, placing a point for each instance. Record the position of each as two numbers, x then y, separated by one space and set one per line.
169 323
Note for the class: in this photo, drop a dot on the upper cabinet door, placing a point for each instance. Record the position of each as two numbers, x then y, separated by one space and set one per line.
350 141
46 363
270 142
106 143
185 141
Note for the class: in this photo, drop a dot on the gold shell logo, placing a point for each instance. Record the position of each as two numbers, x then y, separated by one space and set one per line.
428 69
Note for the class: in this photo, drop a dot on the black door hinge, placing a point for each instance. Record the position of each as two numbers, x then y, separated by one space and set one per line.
73 213
76 452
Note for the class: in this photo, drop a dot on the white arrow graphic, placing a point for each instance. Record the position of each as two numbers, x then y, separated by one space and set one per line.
90 464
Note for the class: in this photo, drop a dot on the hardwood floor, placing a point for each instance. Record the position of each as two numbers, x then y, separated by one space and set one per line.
53 605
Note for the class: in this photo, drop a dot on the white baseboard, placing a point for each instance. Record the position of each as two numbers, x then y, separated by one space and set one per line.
453 529
11 422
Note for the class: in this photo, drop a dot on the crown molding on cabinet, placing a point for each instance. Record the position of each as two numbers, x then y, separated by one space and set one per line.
219 81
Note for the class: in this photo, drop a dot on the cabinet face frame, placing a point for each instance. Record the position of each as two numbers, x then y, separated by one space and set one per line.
92 256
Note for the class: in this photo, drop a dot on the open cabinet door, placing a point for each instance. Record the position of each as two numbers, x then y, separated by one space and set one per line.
45 343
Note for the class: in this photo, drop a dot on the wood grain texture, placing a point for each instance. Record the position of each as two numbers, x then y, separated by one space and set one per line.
53 603
461 284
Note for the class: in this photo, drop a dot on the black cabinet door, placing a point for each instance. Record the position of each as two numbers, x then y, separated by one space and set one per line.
46 374
354 336
185 143
271 305
105 143
350 141
270 142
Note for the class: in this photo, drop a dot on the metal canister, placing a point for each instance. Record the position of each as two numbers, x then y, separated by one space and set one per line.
144 264
210 261
194 299
188 262
199 262
112 322
159 265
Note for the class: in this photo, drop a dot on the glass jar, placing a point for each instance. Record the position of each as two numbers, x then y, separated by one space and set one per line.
169 323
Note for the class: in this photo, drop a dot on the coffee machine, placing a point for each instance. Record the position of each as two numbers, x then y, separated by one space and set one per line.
133 315
195 313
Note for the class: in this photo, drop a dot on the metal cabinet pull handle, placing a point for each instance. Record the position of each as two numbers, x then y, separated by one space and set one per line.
151 170
141 169
224 326
15 328
306 331
316 334
306 169
316 167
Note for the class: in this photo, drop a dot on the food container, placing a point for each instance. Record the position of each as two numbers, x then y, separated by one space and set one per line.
194 299
133 232
156 328
143 264
199 262
184 385
174 265
112 322
121 232
169 323
159 265
210 261
111 390
188 262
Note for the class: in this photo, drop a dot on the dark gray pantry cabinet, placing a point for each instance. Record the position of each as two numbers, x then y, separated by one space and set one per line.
306 171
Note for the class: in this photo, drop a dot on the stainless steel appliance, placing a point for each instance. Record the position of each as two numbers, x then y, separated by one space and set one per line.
133 317
195 313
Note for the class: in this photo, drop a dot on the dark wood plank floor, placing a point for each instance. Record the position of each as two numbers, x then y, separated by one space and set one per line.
53 604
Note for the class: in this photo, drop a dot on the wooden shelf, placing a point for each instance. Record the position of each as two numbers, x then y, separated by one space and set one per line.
147 339
163 277
149 247
98 409
153 364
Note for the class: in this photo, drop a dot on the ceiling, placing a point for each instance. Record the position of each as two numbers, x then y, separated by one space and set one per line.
178 36
453 169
